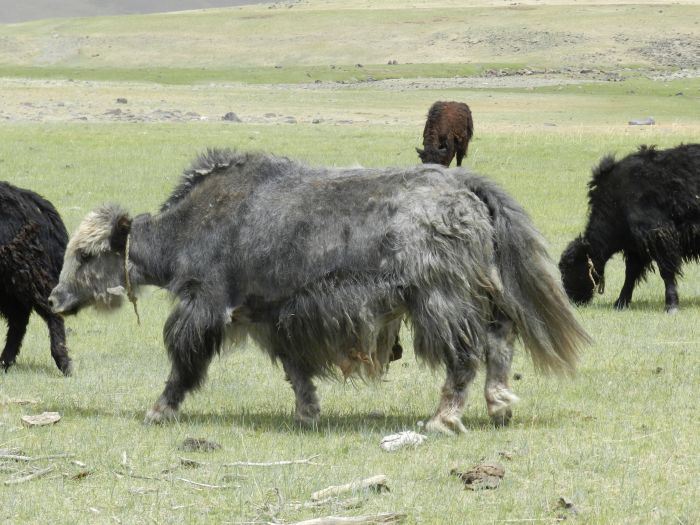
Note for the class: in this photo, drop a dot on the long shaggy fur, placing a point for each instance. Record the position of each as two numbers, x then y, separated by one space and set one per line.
320 266
32 243
646 206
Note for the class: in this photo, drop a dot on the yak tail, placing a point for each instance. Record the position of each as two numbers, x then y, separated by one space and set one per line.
532 296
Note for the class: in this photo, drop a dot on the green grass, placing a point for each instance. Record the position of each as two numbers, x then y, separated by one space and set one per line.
619 440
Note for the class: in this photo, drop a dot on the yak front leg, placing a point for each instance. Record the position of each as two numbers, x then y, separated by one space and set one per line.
499 356
634 269
57 336
192 336
461 370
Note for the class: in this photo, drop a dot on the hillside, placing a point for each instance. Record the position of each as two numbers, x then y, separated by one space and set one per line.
653 35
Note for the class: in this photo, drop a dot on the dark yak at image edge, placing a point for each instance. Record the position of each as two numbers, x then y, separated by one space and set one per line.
647 206
32 244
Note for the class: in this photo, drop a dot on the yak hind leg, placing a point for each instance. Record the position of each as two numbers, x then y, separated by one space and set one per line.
499 356
192 336
447 419
635 268
461 152
307 407
17 316
671 293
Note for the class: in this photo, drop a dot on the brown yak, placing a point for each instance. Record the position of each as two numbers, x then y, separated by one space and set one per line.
447 132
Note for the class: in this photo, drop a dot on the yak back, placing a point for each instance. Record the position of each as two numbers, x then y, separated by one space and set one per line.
650 185
20 208
447 120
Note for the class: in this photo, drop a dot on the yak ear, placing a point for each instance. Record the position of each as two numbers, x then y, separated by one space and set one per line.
120 231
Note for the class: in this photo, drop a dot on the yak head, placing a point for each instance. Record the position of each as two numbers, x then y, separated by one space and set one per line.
93 270
580 276
433 155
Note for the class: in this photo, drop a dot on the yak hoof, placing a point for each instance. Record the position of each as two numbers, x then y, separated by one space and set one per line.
673 310
446 424
6 364
307 415
66 368
502 418
499 399
160 414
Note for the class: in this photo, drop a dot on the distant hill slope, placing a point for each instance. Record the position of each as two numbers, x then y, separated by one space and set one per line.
587 34
14 11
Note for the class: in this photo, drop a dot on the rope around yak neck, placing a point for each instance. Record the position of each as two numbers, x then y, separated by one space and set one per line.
127 280
600 285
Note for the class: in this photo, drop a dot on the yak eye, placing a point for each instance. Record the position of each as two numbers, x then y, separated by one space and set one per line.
83 257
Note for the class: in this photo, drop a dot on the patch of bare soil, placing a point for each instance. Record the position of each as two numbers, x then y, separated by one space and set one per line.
518 41
681 51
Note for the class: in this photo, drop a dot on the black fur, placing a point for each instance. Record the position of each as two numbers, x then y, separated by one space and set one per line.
647 206
32 243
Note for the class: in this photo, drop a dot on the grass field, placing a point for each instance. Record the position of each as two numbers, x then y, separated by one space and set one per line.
619 440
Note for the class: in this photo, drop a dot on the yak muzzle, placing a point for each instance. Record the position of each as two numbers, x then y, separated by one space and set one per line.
63 302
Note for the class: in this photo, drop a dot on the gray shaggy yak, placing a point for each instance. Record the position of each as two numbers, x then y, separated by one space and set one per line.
319 266
448 130
32 243
647 206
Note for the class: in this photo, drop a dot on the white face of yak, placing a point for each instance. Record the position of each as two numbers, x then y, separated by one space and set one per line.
93 266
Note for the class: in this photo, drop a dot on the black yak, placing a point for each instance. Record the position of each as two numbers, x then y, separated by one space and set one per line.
32 244
646 206
447 133
319 266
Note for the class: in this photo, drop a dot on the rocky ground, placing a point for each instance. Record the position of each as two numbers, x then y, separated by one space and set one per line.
93 101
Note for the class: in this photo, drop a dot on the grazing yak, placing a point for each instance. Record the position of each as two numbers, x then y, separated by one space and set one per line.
319 266
447 132
646 206
32 243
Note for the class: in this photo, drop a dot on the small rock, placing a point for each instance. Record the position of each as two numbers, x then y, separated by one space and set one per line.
45 418
649 121
517 376
121 100
658 370
231 117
